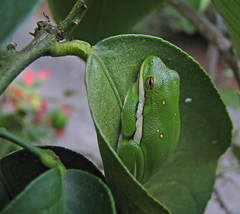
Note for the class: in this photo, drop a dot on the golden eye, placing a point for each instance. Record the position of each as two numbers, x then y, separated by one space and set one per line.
149 83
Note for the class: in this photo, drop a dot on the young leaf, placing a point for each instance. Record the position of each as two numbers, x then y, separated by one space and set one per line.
12 14
104 17
185 183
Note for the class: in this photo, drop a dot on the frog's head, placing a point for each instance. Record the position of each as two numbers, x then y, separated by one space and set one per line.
156 81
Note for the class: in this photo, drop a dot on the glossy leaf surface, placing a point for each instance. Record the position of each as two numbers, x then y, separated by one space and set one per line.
185 183
104 17
18 169
60 191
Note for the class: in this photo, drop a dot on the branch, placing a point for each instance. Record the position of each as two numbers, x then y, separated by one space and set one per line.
75 16
44 43
212 34
220 201
46 156
230 180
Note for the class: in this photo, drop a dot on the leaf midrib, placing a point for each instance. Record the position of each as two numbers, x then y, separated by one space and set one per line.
108 76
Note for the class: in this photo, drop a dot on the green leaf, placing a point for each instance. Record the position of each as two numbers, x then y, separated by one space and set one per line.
236 152
69 93
104 17
229 10
203 5
12 14
11 123
87 193
176 21
231 97
63 191
228 73
185 183
18 169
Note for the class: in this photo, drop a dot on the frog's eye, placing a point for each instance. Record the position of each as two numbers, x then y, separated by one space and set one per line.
149 83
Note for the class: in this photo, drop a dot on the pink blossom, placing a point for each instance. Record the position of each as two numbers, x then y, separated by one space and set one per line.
38 117
43 74
14 103
59 133
16 91
67 109
28 77
43 106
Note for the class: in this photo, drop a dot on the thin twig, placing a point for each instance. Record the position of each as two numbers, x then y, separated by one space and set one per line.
47 157
46 37
66 27
226 178
212 52
220 201
211 34
212 58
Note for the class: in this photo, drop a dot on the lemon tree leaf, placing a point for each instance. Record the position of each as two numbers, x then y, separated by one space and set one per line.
104 17
185 182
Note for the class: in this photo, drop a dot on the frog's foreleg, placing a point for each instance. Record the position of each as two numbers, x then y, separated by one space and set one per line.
130 151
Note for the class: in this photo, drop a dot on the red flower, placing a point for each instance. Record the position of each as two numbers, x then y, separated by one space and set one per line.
67 109
59 133
43 74
14 103
28 77
43 106
38 117
18 92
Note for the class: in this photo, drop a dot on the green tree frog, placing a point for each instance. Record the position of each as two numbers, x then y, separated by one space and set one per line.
150 120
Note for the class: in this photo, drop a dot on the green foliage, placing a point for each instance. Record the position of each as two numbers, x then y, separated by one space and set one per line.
61 192
25 113
13 181
69 93
177 22
229 10
228 73
236 152
231 97
199 5
104 17
205 132
59 119
12 14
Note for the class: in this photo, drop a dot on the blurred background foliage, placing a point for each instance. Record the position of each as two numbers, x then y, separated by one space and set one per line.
25 113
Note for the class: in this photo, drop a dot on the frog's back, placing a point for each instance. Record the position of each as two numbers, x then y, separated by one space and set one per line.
161 121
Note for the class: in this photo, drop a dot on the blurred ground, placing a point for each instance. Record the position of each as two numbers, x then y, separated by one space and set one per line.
67 73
